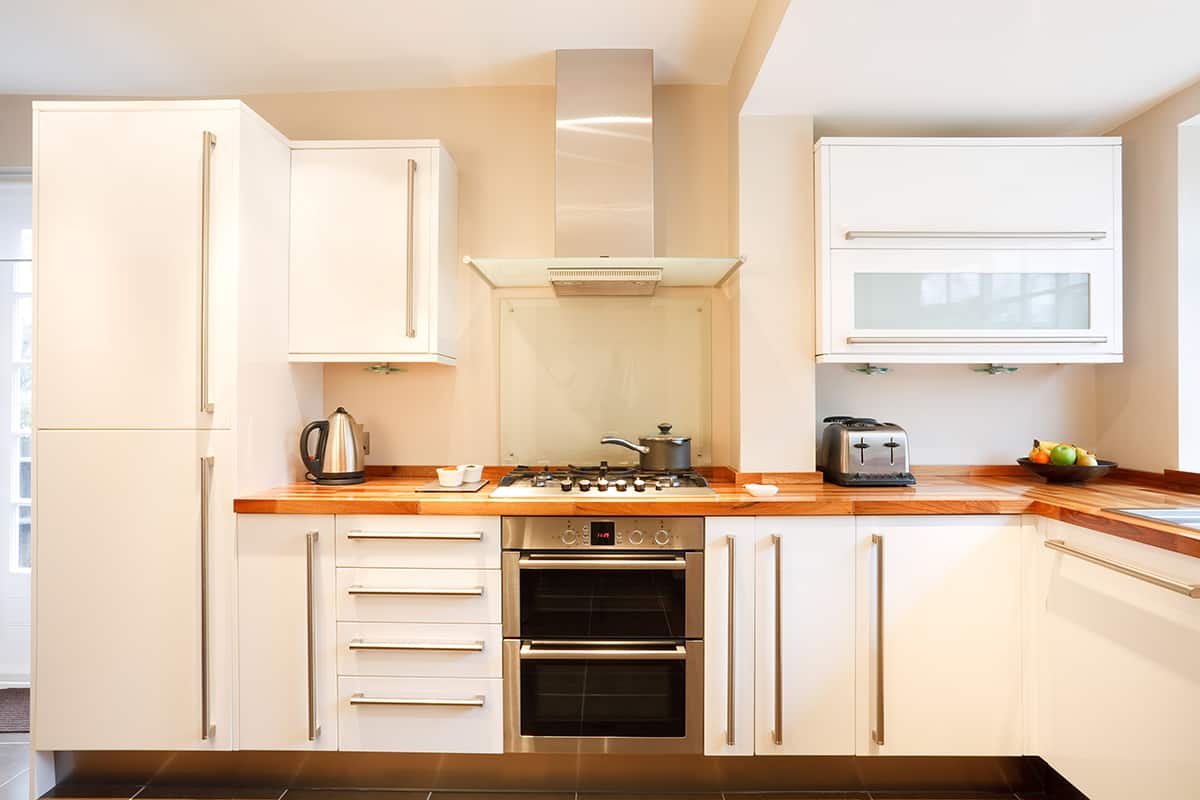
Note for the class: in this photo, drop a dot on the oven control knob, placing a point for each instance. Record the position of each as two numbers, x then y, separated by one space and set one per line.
566 484
584 484
569 536
662 537
636 537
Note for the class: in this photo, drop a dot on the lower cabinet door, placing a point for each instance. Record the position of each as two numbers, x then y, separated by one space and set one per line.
287 671
804 636
940 656
729 636
421 715
1119 676
134 621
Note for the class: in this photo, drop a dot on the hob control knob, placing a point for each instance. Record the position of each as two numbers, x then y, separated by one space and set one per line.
565 484
636 537
639 485
602 484
584 484
662 537
569 536
622 484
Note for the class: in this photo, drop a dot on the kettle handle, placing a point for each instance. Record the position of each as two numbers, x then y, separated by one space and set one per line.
313 465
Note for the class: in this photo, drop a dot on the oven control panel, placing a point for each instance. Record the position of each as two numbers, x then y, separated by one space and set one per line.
599 533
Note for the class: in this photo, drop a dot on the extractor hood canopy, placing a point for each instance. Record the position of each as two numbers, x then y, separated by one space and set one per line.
604 187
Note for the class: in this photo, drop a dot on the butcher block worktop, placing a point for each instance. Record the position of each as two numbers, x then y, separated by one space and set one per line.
962 491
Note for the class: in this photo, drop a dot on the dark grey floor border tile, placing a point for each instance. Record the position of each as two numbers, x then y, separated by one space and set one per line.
514 795
172 792
356 794
98 791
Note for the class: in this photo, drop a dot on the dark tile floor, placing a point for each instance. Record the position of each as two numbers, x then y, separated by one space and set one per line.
183 793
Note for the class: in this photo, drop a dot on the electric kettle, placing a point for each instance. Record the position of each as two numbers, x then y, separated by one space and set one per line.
341 450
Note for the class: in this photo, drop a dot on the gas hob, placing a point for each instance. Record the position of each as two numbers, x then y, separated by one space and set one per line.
602 483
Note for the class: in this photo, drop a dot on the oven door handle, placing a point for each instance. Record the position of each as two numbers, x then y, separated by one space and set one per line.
603 563
625 651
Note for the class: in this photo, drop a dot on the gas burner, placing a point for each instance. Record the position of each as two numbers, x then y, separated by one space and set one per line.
601 482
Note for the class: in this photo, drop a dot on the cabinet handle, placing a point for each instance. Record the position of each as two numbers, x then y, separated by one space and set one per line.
410 329
314 728
976 339
729 684
456 647
359 699
463 536
1186 589
590 650
418 591
877 734
599 563
210 144
777 540
207 729
1091 235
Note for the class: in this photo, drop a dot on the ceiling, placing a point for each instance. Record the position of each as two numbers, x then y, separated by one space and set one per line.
170 47
972 67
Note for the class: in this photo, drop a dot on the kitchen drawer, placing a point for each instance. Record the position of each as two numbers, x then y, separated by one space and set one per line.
418 595
418 541
465 650
420 715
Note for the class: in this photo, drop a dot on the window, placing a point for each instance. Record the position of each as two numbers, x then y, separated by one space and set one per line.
21 441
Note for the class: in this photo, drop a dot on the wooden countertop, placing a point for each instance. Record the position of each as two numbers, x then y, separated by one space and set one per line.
965 493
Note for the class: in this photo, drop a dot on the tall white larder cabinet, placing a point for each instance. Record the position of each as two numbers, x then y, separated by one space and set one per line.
161 389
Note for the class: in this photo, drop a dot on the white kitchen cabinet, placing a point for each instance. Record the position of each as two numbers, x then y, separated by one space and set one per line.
729 636
418 540
287 664
374 255
133 614
421 715
804 636
418 595
969 250
1119 668
939 636
419 649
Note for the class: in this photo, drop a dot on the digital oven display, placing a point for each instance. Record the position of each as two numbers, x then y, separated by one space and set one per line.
604 533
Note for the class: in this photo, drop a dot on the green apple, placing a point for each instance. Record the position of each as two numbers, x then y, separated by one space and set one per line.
1064 454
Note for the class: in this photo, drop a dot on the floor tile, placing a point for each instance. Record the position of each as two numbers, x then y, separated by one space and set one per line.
14 759
93 791
168 792
16 788
354 794
815 795
941 795
503 796
660 796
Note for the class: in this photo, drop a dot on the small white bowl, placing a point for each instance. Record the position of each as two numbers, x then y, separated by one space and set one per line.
762 489
450 476
471 472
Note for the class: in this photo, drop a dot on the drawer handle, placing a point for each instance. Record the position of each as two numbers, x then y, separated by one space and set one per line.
1186 589
1090 235
433 536
457 647
359 699
418 591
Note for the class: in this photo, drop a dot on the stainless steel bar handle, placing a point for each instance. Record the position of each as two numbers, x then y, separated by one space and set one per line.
730 539
976 339
359 699
877 733
1191 590
531 652
464 647
210 143
603 563
314 727
1090 235
418 591
463 536
410 330
207 729
777 541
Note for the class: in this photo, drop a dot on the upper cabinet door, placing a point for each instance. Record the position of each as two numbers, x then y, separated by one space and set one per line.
120 267
942 192
361 288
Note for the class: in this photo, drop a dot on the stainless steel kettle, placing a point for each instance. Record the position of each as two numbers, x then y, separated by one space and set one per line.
342 446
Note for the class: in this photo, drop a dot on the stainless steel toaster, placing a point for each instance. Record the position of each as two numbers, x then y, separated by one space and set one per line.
859 451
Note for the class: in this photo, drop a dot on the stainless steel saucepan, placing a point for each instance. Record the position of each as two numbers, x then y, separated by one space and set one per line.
659 452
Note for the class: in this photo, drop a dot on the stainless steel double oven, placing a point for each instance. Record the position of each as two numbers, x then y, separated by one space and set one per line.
603 634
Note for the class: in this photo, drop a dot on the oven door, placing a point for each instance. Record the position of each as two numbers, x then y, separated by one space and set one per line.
611 595
563 696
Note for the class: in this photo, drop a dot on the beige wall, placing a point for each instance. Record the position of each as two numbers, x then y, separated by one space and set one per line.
1138 403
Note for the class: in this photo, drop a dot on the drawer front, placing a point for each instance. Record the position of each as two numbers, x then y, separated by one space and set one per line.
465 650
934 195
418 541
418 595
420 715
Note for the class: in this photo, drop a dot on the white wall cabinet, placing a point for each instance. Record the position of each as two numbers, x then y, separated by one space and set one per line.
804 636
374 256
940 636
729 636
1119 668
287 660
965 250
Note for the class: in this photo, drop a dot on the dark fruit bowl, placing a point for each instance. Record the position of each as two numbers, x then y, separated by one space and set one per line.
1064 473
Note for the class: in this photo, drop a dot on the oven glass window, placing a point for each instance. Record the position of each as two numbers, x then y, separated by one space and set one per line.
602 604
603 698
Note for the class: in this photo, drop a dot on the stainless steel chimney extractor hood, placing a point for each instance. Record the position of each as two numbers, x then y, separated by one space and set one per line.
604 187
